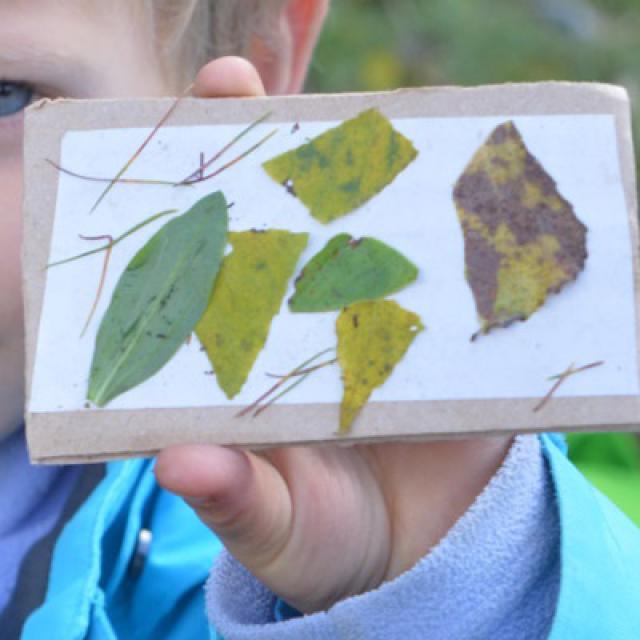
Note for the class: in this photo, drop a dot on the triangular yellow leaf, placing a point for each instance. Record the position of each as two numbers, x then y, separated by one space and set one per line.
373 337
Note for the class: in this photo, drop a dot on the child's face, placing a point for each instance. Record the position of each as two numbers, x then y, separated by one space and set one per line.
76 49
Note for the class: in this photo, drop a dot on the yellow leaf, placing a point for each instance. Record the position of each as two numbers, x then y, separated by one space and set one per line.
372 338
345 166
247 294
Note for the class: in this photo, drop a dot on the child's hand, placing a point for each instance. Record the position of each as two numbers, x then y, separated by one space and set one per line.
319 524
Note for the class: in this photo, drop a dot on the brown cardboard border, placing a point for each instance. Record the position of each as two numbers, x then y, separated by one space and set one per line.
94 435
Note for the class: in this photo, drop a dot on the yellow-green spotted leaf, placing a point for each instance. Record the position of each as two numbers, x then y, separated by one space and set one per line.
341 169
523 240
247 294
158 299
372 338
348 271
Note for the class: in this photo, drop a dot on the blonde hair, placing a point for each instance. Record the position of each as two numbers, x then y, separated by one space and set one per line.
189 33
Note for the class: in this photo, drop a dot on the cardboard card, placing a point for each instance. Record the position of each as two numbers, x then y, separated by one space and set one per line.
362 267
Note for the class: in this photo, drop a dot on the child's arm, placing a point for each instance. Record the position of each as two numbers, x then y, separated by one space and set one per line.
495 575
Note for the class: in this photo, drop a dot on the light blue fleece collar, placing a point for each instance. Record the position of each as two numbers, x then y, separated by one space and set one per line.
600 550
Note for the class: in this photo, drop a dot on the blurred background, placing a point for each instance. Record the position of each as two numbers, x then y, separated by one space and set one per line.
371 45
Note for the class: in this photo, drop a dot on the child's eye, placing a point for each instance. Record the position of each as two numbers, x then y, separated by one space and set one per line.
14 97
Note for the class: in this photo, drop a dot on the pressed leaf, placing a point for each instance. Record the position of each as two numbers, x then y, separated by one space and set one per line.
372 338
248 293
348 271
344 167
523 240
158 299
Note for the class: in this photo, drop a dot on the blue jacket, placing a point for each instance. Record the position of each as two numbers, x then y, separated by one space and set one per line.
96 592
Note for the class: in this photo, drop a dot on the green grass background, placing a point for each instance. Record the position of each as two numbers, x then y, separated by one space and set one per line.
385 44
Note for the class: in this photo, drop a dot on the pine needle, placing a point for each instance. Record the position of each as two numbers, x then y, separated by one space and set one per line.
194 178
143 181
303 372
578 370
137 153
560 378
277 397
229 164
199 173
112 244
103 277
280 382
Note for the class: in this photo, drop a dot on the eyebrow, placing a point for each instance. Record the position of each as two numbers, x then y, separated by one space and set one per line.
24 61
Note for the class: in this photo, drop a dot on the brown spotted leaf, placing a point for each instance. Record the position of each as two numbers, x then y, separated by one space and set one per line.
523 240
373 337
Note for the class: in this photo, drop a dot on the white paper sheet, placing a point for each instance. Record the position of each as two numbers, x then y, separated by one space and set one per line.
590 320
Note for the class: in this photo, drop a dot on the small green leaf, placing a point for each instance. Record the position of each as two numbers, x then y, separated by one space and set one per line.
344 167
158 300
348 271
372 338
247 294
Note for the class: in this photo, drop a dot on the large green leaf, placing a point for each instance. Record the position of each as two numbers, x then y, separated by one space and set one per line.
344 167
158 300
247 294
348 271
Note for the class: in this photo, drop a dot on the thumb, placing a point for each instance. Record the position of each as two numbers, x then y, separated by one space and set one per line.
240 496
229 76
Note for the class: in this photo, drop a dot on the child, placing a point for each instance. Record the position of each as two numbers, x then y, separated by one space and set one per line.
487 538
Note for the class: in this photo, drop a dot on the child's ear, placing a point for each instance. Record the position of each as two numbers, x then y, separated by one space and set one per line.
283 63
